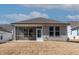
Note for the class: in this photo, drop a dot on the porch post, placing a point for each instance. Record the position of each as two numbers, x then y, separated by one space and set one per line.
42 33
14 32
54 31
28 33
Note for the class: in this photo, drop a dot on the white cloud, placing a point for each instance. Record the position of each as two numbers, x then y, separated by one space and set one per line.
73 18
53 6
38 14
15 16
19 17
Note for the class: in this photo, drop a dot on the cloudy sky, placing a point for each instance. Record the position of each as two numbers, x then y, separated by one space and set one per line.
63 12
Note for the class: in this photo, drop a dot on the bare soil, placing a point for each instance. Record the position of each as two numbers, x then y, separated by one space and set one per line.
40 48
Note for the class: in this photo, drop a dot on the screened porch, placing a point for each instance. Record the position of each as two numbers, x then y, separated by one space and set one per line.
26 33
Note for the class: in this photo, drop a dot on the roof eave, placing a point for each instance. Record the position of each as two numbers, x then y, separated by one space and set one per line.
42 23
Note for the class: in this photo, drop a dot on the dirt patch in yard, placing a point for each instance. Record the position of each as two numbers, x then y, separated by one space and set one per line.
39 48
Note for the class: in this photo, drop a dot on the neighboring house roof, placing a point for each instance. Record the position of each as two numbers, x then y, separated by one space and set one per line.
74 23
75 28
6 27
38 21
2 29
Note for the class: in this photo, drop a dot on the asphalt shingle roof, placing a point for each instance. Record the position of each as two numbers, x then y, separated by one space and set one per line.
38 21
6 27
74 23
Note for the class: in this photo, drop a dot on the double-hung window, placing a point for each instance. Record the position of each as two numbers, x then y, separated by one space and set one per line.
57 31
51 31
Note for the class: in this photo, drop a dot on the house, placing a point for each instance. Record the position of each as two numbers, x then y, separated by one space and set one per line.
5 32
73 30
40 29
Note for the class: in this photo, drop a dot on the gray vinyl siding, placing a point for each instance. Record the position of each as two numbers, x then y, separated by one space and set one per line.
63 30
63 33
45 32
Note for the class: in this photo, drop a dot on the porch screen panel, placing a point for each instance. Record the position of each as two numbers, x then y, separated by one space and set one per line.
25 32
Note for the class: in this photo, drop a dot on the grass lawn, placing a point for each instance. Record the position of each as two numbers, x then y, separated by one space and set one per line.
35 48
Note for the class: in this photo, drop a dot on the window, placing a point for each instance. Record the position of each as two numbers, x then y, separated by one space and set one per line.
51 31
57 31
71 32
1 37
78 32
